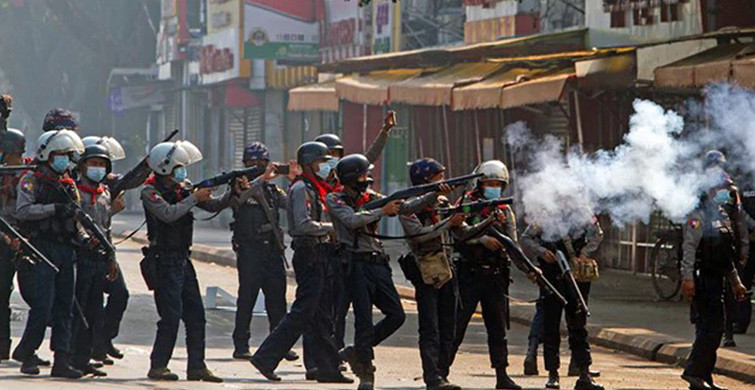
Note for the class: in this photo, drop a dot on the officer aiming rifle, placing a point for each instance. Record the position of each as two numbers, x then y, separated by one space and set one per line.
419 190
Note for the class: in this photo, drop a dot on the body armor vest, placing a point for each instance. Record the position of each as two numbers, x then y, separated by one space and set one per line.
170 237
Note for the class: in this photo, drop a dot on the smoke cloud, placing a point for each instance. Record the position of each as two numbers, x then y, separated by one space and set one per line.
657 167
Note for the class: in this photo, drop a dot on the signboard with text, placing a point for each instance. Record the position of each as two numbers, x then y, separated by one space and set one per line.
219 58
277 34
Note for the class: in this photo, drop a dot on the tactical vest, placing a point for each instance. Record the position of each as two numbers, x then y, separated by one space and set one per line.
748 202
250 220
477 253
717 249
49 191
170 237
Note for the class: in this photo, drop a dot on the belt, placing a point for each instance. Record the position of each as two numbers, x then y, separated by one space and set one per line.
370 257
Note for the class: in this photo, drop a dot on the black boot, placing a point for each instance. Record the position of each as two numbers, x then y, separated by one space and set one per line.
442 384
61 367
695 383
242 355
530 360
366 375
585 381
102 357
728 341
114 352
502 380
714 386
90 369
266 372
291 356
203 375
553 380
29 366
575 370
161 374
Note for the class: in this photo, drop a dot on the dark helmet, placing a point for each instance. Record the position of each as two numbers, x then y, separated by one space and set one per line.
99 151
312 151
58 119
333 141
423 169
13 141
351 167
714 158
256 151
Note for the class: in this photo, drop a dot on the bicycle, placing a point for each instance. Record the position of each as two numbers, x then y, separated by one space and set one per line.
666 258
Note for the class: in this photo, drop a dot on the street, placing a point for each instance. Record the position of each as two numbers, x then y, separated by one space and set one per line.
397 361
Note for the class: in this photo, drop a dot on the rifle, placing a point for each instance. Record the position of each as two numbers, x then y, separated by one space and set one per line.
563 263
229 177
88 223
26 247
519 258
475 207
10 169
418 191
120 185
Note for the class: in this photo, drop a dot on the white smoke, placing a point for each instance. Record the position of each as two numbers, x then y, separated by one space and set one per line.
653 169
730 114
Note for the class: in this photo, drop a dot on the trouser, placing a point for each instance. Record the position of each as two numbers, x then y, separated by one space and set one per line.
177 298
489 290
707 314
536 327
371 284
576 323
731 309
334 289
49 296
109 326
745 307
436 311
341 302
260 267
90 289
309 312
7 272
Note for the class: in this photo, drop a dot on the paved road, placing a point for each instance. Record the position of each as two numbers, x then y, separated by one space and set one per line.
398 361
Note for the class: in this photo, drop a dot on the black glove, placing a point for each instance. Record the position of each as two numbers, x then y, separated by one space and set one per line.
64 210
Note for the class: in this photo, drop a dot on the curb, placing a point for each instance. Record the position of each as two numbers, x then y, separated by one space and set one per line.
642 342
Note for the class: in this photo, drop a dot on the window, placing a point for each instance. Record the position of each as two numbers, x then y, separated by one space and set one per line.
671 12
664 12
618 19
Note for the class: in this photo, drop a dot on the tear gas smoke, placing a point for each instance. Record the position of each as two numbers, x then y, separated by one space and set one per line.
655 168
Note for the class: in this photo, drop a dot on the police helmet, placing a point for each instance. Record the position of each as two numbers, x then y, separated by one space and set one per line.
60 141
351 167
312 151
165 156
423 169
13 141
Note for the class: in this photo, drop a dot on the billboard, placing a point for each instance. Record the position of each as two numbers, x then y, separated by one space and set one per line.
281 31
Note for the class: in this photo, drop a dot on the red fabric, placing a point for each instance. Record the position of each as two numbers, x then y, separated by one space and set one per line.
474 196
92 191
151 181
322 187
365 198
64 180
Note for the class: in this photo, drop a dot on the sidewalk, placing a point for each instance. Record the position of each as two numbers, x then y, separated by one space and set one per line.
625 315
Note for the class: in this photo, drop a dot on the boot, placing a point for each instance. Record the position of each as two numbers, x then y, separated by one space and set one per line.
366 375
574 370
443 384
585 381
530 360
291 356
713 386
203 375
29 366
334 378
695 383
242 355
728 341
102 357
347 356
311 374
61 368
266 372
114 352
161 374
553 380
502 380
90 369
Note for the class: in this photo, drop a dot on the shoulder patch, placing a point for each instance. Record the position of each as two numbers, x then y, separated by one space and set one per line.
694 223
27 184
154 197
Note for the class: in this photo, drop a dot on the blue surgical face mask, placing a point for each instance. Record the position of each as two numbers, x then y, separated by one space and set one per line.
323 170
60 163
491 193
722 197
180 174
333 162
96 174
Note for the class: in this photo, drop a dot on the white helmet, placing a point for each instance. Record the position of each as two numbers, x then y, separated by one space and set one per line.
493 170
168 155
61 141
112 145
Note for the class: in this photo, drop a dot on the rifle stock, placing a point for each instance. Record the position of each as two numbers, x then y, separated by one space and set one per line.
26 247
418 191
225 178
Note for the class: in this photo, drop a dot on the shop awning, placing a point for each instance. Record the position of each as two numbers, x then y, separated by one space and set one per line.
713 65
540 90
372 88
487 93
436 89
313 97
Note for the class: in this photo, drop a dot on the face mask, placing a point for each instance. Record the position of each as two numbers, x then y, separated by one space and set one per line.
491 193
722 197
361 186
179 174
323 170
60 163
333 162
96 174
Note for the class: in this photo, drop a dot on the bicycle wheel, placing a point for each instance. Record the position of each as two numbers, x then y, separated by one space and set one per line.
667 278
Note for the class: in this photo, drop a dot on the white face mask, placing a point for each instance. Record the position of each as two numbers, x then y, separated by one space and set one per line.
323 170
333 162
96 174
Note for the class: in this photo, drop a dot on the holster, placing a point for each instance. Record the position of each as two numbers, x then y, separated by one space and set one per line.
408 265
148 267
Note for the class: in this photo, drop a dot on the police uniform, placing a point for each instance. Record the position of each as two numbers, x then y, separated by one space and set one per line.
709 257
258 242
484 278
369 280
748 272
177 296
56 235
310 311
546 322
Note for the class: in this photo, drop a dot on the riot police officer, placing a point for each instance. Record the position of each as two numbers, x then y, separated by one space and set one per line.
312 244
748 271
168 205
369 279
44 208
577 244
436 301
93 266
484 271
258 242
12 147
709 258
59 119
